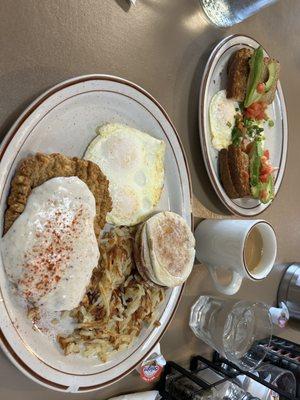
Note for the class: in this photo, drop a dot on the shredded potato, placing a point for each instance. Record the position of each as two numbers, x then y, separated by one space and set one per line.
117 302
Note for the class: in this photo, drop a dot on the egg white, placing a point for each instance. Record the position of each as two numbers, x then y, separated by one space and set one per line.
133 162
221 118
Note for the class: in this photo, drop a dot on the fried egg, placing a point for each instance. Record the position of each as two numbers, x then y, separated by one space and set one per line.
221 117
133 162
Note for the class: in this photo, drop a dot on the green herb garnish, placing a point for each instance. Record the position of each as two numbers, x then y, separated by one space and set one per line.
271 123
236 136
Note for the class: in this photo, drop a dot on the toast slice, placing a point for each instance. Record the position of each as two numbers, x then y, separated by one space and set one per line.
226 176
238 162
238 71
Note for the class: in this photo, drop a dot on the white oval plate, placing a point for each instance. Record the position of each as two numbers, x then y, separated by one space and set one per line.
213 80
64 120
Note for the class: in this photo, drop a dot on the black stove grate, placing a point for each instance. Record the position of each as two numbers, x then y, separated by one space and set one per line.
180 383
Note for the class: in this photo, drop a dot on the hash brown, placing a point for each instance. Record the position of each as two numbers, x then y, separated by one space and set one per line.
35 170
118 303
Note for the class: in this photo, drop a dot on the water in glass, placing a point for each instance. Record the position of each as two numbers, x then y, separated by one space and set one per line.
225 13
232 328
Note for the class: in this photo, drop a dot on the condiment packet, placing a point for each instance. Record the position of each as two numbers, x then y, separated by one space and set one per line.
152 367
280 315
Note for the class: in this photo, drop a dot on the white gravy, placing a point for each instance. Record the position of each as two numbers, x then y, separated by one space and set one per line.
50 251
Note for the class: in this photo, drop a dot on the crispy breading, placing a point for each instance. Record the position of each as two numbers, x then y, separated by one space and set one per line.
35 170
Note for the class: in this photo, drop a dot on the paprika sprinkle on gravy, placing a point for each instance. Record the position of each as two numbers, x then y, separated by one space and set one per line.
50 251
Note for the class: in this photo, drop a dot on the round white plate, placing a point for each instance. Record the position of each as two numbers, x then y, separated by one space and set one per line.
213 80
64 120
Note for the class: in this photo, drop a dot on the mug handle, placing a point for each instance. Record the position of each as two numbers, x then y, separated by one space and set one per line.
232 287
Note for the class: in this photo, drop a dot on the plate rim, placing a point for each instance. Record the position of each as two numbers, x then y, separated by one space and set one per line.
13 130
228 203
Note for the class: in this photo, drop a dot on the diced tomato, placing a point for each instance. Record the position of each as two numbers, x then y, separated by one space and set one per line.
263 194
267 154
260 88
256 111
264 178
263 159
248 113
266 169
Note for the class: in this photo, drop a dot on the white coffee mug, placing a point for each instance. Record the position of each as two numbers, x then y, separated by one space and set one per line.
220 245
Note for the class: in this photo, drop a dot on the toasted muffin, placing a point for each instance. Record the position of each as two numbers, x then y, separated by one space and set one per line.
165 249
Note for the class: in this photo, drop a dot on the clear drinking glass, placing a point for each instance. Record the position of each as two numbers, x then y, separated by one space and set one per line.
278 377
183 388
281 378
233 328
225 13
227 391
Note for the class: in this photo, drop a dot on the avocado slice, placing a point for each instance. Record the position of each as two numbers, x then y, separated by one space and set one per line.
261 71
255 191
255 157
267 186
273 75
255 76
